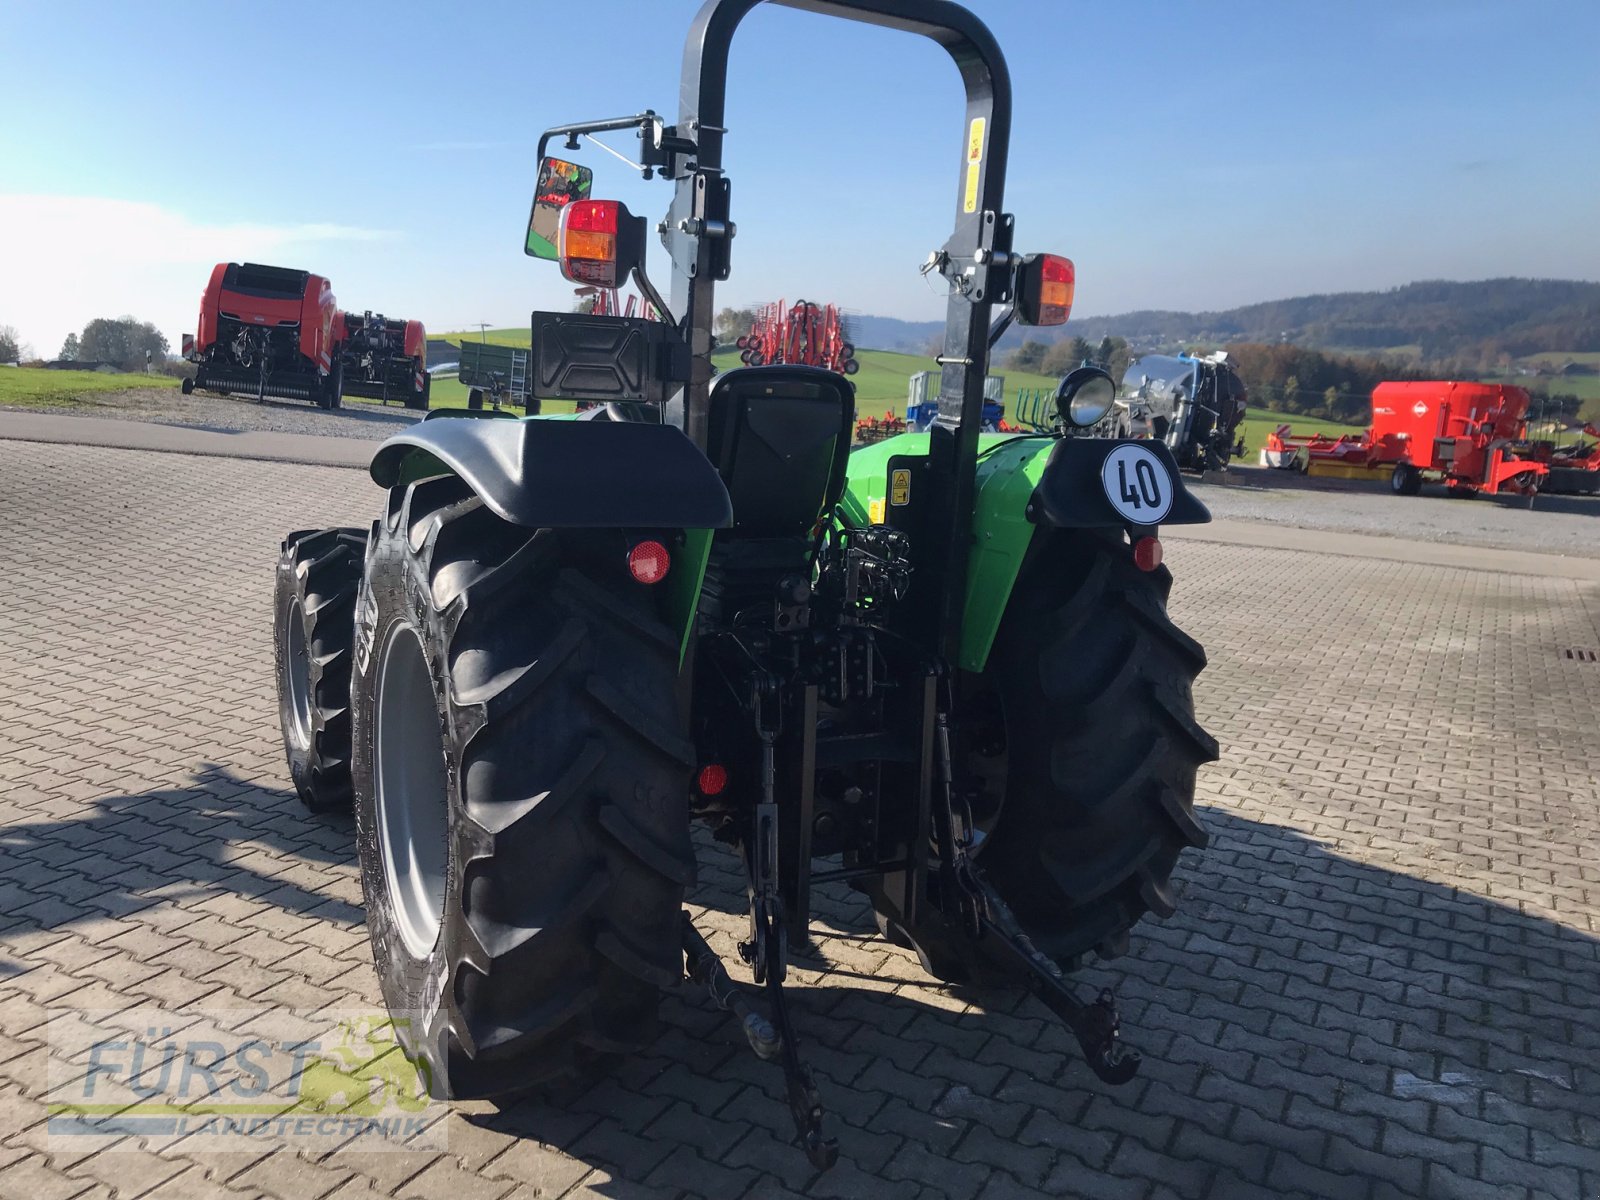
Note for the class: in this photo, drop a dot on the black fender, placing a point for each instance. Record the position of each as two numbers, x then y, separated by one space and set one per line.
565 474
1070 494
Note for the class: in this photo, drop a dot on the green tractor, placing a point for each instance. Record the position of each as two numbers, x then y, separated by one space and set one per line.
938 669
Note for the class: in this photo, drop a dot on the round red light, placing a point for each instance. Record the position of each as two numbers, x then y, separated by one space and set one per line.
712 779
1147 553
648 562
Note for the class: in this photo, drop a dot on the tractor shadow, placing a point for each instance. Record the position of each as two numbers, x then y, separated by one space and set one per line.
219 835
1308 1024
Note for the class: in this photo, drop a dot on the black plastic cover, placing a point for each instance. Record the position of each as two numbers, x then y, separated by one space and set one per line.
580 357
570 474
1071 496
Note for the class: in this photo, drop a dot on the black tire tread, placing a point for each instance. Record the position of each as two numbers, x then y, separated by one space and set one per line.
1102 764
571 831
319 572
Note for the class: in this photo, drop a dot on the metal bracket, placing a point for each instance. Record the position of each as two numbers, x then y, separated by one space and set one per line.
986 274
770 1040
1096 1025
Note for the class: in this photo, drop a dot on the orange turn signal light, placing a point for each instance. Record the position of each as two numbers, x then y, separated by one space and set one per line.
1045 287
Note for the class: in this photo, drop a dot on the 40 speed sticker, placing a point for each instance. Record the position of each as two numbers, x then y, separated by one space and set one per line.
1137 484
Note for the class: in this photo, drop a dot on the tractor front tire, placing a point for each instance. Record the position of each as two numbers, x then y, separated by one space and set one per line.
319 574
521 774
1080 741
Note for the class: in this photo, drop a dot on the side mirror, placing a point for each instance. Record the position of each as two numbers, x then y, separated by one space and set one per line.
1085 396
560 183
1045 283
599 242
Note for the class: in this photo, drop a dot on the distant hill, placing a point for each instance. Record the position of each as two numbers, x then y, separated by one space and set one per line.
1429 321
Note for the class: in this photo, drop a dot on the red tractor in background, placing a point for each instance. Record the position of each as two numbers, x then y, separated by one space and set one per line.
382 359
266 331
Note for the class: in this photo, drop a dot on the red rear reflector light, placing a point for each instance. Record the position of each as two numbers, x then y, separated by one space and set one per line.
1147 553
712 779
648 562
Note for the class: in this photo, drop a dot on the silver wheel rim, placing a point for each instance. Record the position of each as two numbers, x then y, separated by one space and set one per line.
413 825
299 680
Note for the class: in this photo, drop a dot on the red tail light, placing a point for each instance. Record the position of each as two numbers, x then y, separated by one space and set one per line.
1147 553
587 241
712 779
649 562
1045 287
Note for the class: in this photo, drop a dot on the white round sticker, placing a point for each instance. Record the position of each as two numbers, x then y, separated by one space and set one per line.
1137 484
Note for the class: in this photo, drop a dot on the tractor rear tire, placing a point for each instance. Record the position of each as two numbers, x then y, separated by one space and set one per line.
522 774
1081 735
319 574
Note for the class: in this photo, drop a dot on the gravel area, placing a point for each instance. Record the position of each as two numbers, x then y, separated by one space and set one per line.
232 414
1568 525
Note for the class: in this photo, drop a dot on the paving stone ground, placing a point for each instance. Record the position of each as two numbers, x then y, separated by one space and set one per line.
1382 979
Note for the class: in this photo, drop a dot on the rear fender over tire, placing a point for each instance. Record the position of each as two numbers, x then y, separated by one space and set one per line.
560 764
566 474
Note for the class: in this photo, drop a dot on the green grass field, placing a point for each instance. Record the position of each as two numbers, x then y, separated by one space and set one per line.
35 387
882 384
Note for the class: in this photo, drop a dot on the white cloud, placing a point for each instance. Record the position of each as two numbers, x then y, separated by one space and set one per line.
65 260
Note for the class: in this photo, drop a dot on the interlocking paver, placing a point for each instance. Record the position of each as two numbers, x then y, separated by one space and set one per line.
1381 978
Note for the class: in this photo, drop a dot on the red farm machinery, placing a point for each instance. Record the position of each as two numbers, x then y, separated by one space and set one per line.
801 334
1575 469
266 331
1469 436
273 331
383 359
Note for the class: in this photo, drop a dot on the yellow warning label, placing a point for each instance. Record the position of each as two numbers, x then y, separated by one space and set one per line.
899 487
875 511
974 164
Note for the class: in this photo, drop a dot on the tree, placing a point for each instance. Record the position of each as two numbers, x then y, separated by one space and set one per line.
1060 358
10 344
69 348
734 323
1027 357
123 341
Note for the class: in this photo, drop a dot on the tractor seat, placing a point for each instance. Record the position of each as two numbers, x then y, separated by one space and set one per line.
779 437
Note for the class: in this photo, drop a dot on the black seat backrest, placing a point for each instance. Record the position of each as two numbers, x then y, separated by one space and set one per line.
779 436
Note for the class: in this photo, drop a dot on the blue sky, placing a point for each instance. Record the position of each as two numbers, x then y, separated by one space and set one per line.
1185 155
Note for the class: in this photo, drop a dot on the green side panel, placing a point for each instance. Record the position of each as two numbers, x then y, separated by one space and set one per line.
684 584
1002 534
1009 468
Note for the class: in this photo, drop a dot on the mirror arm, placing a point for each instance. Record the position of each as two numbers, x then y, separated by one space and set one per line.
645 120
997 330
